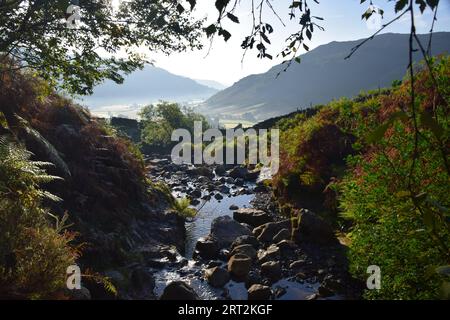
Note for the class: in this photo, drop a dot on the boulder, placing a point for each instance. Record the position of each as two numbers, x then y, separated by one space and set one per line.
287 248
297 265
239 265
271 270
252 175
314 229
267 231
207 248
200 171
238 172
217 277
218 196
325 291
178 290
284 234
234 207
245 240
225 230
246 249
272 253
223 189
259 292
253 217
220 170
194 194
253 277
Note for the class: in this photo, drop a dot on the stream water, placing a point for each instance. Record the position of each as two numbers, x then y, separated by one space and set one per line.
192 272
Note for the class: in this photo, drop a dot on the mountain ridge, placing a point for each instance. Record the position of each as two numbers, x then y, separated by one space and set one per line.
146 86
266 95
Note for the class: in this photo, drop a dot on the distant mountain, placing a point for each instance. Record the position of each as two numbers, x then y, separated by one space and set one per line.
322 75
212 84
145 86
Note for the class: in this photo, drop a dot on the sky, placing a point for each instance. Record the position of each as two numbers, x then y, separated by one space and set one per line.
223 62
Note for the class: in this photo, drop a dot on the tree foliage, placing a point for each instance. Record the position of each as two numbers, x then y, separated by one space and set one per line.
103 45
158 122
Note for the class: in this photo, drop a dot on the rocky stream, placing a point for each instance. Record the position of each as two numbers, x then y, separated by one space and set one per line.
239 247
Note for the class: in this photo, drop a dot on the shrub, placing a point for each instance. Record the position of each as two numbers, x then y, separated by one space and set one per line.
33 254
400 210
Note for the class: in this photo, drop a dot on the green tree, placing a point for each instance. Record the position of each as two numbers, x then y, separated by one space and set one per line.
158 122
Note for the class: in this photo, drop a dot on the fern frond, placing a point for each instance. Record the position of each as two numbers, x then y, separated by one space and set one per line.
50 196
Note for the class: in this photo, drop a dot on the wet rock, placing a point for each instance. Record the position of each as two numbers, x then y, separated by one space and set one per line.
206 197
301 276
334 285
252 175
279 291
214 263
217 277
197 193
253 277
239 265
223 189
259 292
238 172
200 171
234 207
287 248
267 231
297 265
271 270
325 291
313 296
239 182
246 249
253 217
260 188
284 234
207 248
178 290
218 196
272 253
229 180
220 170
143 282
81 294
195 202
245 240
225 230
314 229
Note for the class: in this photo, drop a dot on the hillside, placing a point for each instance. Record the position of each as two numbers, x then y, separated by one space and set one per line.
109 216
322 75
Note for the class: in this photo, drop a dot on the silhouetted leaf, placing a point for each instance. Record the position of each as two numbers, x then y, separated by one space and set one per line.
221 4
400 5
232 17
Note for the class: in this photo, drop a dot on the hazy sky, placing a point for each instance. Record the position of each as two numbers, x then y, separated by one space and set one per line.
342 22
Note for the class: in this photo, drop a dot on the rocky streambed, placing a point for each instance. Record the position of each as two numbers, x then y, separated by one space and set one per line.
238 247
